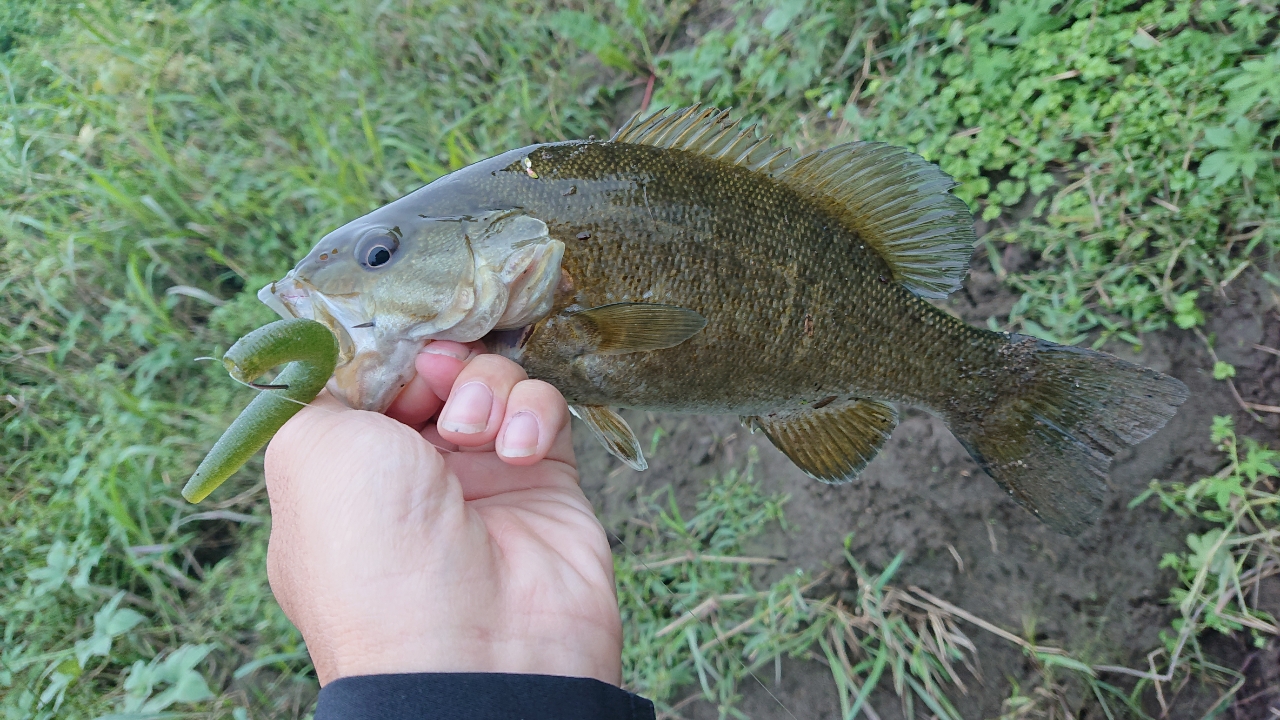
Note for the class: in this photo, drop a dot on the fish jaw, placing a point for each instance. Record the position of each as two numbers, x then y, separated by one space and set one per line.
375 357
377 350
374 377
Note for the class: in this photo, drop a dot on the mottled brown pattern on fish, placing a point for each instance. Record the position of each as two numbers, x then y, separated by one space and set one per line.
795 307
700 273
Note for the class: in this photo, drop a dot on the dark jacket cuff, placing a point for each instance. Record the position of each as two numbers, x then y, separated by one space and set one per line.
477 696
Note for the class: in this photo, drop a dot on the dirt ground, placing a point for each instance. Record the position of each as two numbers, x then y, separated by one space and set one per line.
1100 595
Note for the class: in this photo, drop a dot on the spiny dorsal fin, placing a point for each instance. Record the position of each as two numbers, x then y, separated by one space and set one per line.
706 132
900 204
832 442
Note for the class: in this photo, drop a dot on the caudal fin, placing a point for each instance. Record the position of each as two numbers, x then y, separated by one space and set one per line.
1060 415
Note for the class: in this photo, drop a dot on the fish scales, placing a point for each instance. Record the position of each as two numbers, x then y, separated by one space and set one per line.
693 232
681 266
748 253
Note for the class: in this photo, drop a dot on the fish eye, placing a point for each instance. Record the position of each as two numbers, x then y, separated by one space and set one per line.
376 249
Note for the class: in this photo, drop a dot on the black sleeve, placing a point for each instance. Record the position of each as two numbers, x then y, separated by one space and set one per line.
477 696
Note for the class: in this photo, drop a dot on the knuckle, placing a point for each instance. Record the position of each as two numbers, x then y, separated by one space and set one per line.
544 392
496 365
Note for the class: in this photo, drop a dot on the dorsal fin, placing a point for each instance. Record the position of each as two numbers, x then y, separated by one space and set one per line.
898 202
706 132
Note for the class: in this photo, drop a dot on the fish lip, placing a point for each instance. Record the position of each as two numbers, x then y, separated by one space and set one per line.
267 295
290 296
362 343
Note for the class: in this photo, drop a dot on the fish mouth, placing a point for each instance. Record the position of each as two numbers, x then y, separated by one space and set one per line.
374 361
507 280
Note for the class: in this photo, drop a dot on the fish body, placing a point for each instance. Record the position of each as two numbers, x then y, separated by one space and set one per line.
683 266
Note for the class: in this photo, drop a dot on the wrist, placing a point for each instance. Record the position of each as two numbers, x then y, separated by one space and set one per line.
478 696
577 650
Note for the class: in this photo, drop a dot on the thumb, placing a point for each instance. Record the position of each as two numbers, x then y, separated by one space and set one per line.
329 454
358 502
346 486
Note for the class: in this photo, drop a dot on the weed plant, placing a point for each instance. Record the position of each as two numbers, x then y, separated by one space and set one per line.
1132 151
161 161
1220 578
696 616
1221 573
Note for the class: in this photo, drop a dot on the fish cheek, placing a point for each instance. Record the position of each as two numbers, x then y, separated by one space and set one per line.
426 287
478 308
424 311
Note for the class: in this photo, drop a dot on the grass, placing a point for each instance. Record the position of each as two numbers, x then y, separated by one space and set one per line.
695 615
159 161
1133 152
1220 574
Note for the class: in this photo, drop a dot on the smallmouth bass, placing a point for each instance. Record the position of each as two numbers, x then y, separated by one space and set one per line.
683 265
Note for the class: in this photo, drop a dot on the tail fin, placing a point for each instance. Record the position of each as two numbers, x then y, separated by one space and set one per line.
1049 436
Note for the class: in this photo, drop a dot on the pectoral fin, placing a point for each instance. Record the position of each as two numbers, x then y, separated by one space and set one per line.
613 432
831 443
636 327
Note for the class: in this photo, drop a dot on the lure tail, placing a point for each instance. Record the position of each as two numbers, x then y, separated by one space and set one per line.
1055 422
314 352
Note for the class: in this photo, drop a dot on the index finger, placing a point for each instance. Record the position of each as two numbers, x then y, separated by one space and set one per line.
438 363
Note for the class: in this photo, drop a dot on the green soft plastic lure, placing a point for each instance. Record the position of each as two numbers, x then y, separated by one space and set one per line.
312 353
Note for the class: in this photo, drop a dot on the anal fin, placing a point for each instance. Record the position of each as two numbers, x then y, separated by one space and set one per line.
831 443
613 432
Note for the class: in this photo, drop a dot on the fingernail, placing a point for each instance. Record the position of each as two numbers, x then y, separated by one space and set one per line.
468 409
520 439
447 350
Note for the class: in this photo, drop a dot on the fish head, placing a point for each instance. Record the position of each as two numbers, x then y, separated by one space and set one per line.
388 284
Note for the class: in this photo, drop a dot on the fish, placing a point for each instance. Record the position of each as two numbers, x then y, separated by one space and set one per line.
687 265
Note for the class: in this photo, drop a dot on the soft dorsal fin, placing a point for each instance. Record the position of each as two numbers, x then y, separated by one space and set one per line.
706 132
899 203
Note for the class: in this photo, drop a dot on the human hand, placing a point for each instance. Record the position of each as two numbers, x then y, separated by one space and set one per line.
391 556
